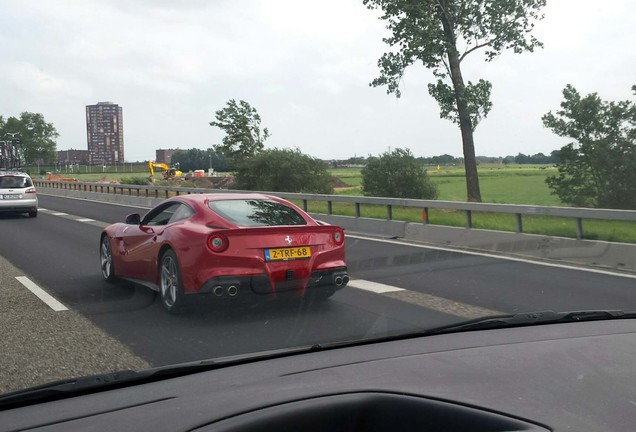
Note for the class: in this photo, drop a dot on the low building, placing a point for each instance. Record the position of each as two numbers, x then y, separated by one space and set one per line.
165 155
71 156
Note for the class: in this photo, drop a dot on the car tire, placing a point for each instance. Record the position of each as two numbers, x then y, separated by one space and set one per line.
170 283
33 213
106 260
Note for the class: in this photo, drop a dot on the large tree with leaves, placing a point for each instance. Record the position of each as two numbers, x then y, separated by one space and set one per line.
597 169
397 174
37 136
194 159
440 34
284 170
242 126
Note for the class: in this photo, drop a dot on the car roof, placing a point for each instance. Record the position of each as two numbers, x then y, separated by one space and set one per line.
202 198
13 173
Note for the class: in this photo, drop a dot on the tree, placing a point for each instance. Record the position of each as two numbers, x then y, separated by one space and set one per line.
242 126
284 170
194 159
598 169
441 34
38 137
397 174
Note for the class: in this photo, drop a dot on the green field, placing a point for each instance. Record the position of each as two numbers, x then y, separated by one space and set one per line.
516 184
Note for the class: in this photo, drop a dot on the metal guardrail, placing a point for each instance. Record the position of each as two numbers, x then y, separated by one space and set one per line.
389 203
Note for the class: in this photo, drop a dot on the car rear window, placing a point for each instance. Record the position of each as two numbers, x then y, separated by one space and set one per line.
7 182
257 212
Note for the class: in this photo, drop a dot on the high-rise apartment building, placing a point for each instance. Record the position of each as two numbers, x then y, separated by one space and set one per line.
105 133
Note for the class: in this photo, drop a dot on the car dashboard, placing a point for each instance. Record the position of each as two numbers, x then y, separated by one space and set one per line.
561 377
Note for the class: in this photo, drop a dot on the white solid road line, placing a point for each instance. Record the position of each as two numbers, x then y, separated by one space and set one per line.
41 294
374 287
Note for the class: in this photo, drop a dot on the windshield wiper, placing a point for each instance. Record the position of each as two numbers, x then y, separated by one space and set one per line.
531 318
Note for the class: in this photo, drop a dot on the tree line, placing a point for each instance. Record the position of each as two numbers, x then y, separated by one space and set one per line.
449 160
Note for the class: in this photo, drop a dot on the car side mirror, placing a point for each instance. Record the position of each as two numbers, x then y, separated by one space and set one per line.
133 219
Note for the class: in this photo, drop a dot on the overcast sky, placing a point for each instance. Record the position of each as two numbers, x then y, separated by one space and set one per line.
304 65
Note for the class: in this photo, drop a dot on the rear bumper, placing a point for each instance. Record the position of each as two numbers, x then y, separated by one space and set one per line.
18 205
240 286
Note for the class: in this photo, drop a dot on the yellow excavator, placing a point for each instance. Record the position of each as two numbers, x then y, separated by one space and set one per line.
168 172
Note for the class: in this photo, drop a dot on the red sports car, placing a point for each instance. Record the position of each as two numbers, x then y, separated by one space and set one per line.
227 245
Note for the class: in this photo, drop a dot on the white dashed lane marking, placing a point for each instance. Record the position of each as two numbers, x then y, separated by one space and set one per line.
59 214
374 287
41 294
428 301
85 220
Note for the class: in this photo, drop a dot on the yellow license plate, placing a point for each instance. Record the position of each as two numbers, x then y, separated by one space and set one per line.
287 253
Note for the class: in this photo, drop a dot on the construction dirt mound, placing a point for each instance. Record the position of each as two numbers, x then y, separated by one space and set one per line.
337 183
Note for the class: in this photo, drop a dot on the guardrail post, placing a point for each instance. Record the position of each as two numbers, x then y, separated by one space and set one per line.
305 205
166 191
357 209
579 228
519 222
469 219
426 216
389 212
329 207
177 192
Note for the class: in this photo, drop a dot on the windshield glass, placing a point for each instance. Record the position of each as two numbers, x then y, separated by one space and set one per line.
300 173
252 213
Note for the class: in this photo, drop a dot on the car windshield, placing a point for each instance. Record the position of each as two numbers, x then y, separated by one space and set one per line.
252 213
191 180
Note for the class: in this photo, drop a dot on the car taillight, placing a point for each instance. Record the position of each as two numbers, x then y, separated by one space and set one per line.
218 242
338 236
30 190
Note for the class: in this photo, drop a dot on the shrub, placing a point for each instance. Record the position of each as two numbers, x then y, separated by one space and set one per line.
397 174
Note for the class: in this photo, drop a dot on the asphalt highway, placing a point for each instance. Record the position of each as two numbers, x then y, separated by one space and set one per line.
396 287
